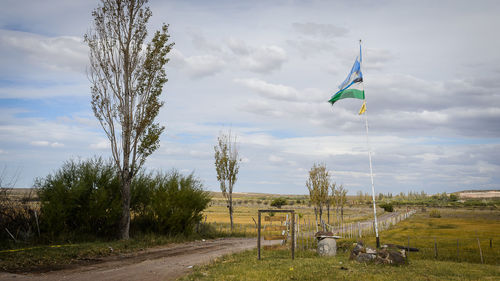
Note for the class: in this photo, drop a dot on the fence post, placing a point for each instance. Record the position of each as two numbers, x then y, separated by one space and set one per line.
408 251
435 248
458 257
491 243
258 238
480 251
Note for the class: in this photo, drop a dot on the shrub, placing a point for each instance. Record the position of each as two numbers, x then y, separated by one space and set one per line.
17 217
434 214
168 203
81 197
388 207
278 202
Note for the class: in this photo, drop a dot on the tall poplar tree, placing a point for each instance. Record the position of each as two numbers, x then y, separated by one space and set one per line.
127 78
227 166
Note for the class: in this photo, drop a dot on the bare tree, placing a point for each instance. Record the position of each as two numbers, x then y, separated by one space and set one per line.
340 199
227 165
331 199
318 184
127 78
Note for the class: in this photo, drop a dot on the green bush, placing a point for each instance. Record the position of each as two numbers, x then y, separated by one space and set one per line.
168 203
388 207
82 197
82 200
278 202
434 214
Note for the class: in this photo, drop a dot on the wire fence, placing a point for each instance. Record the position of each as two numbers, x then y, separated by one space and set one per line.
460 249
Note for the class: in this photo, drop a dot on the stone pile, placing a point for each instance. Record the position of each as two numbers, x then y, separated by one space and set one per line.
385 255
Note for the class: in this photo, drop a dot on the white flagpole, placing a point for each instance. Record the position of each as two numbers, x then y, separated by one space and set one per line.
371 169
373 186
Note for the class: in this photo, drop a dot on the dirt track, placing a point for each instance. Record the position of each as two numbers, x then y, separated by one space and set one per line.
163 263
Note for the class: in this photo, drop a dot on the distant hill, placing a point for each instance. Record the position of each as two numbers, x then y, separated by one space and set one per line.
479 194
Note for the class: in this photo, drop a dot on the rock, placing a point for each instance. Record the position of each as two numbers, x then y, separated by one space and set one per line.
394 257
327 247
358 248
370 251
364 257
388 255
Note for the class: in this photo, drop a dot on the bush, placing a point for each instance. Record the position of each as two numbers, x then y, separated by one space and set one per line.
168 203
388 207
17 218
82 197
434 214
278 202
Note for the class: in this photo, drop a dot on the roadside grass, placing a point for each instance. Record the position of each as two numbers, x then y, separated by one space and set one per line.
277 265
43 258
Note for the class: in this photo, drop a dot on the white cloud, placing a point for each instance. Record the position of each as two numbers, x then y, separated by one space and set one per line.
272 91
264 59
60 53
197 66
319 30
47 144
102 144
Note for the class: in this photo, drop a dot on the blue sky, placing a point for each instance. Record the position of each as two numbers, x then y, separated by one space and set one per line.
265 69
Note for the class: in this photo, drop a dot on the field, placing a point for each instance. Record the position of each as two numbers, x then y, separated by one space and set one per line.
466 226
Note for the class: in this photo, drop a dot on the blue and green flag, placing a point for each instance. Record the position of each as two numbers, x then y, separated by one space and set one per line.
352 87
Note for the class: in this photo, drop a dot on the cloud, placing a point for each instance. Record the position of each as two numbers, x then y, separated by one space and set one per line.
197 66
265 59
320 30
272 91
281 92
102 144
47 144
59 53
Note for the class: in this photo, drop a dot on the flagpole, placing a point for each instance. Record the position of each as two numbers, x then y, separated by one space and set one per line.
371 169
371 177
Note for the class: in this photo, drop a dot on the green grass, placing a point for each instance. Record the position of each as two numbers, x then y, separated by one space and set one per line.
464 226
277 265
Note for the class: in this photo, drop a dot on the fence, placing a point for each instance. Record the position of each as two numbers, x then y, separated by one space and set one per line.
307 229
460 249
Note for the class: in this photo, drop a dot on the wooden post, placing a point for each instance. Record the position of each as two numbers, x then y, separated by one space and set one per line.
458 257
293 235
258 237
435 248
491 243
408 250
480 251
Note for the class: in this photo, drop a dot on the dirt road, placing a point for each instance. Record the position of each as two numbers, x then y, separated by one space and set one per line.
163 263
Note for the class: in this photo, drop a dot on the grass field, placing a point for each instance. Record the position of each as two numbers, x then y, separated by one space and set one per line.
464 225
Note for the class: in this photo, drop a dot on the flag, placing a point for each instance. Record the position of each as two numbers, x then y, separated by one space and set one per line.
352 87
363 108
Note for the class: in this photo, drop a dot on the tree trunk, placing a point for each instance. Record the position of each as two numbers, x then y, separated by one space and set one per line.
328 212
231 214
125 217
342 214
320 213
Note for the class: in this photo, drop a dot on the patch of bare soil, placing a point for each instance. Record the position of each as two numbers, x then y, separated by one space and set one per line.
162 263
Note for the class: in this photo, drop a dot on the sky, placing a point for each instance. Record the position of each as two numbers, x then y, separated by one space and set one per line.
265 70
